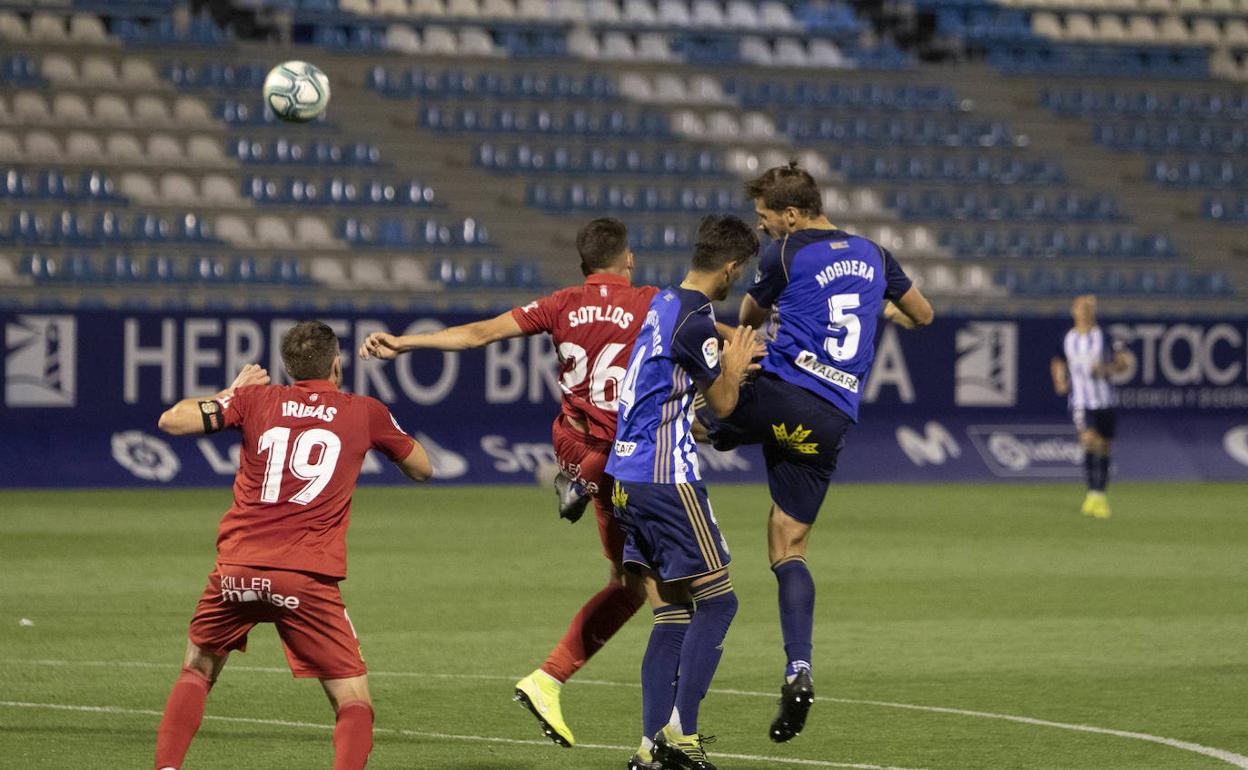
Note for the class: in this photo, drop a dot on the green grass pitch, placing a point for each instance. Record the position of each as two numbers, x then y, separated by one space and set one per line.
997 599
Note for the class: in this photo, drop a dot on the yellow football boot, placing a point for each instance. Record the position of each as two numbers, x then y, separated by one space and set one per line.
539 693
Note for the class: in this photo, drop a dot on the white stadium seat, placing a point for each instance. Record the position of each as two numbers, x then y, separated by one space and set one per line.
71 109
637 87
670 89
329 271
151 111
163 148
369 273
83 146
568 10
12 28
708 13
47 28
402 38
618 46
583 43
178 188
755 51
1206 32
742 15
428 8
111 110
673 13
125 147
232 229
789 52
776 15
87 28
824 53
641 12
1141 29
439 40
410 273
533 10
98 71
205 151
1047 25
391 8
723 126
220 190
314 233
30 107
603 12
138 187
1079 27
42 146
654 47
1110 28
1235 32
9 148
139 73
274 231
58 69
1173 30
688 123
474 41
757 126
1163 6
498 9
362 7
191 111
705 89
463 9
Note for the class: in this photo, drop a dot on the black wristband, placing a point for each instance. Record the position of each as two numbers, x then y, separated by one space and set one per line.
213 419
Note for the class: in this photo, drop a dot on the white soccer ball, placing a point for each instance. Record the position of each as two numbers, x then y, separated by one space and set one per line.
296 91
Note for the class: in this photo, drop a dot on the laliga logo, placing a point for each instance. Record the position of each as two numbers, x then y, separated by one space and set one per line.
147 457
1235 442
1028 450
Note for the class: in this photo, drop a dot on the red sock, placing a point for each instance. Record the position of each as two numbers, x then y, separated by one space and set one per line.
353 736
183 712
598 620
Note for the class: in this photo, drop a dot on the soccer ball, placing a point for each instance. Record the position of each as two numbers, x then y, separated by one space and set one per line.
296 91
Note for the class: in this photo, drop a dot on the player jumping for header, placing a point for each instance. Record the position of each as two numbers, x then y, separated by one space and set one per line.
281 548
593 327
1081 370
672 535
829 288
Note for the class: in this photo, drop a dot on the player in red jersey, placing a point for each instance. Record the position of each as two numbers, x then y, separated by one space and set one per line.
281 548
593 326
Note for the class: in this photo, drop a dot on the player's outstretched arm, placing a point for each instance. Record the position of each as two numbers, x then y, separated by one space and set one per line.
464 337
1060 375
911 310
740 351
416 465
200 415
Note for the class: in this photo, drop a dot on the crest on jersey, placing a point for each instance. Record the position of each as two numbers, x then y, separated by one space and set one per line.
710 351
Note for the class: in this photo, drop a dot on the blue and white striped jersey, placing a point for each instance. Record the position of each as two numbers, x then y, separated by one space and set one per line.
1083 352
676 348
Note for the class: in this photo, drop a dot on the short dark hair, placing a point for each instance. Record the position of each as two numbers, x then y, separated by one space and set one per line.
601 242
785 186
723 238
308 350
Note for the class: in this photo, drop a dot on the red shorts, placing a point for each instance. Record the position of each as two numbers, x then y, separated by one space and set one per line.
584 458
308 611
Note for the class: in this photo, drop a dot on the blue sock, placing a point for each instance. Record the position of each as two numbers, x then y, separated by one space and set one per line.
797 611
1090 469
714 604
1102 472
660 665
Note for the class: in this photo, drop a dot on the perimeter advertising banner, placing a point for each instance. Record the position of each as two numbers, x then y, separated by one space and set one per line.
967 399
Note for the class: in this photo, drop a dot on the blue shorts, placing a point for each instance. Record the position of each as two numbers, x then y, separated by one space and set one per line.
669 529
802 436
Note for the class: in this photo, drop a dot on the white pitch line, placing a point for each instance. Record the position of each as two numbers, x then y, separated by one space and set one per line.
437 736
1229 757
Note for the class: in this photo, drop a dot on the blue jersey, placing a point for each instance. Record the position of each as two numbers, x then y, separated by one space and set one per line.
676 348
829 287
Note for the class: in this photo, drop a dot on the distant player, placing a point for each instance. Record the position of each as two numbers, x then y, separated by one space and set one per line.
593 327
281 548
1081 371
829 288
673 537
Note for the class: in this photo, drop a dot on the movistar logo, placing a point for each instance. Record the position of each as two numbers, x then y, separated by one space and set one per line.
796 440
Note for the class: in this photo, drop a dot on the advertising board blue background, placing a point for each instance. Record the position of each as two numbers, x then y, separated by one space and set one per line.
964 400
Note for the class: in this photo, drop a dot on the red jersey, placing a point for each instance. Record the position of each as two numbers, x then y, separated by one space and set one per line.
594 327
303 446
